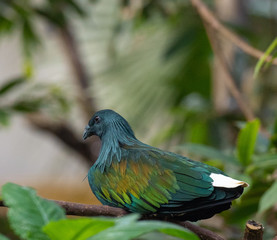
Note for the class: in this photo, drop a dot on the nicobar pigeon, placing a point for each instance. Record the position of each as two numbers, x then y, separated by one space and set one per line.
139 178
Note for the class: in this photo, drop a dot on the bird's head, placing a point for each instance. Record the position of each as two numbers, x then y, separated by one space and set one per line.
107 122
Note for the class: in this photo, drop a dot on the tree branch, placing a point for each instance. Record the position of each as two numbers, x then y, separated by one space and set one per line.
243 105
253 231
214 23
82 77
241 101
202 233
79 209
89 151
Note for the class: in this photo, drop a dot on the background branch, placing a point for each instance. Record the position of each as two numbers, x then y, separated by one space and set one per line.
214 23
209 22
243 105
87 150
81 74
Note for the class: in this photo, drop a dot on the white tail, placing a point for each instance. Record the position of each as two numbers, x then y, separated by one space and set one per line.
220 180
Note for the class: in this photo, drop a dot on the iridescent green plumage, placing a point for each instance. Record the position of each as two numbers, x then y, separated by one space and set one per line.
140 178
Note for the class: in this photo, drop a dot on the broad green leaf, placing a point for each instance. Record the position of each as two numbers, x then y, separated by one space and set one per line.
269 198
126 227
208 152
125 220
261 61
2 237
11 85
133 230
28 213
246 141
77 229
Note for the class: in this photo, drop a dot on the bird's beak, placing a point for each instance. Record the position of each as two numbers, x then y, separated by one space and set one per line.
87 132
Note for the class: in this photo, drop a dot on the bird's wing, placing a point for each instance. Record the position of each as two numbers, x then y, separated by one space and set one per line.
146 178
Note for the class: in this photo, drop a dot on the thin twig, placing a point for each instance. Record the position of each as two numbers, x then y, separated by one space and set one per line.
243 105
78 209
213 22
241 101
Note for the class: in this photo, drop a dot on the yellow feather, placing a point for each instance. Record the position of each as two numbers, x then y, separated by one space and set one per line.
117 198
126 198
106 193
134 193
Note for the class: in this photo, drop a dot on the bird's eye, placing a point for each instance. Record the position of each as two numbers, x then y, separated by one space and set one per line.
97 119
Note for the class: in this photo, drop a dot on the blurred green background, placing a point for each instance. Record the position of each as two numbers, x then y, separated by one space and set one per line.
151 61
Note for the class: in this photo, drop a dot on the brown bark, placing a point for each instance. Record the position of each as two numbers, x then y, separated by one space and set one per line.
214 23
78 67
228 79
228 11
101 210
210 22
202 233
62 131
253 231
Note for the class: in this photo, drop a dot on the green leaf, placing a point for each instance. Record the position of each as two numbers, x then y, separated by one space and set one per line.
29 105
261 61
273 138
30 38
2 237
246 141
263 162
127 227
269 198
125 220
208 152
77 229
6 25
11 85
132 229
28 213
4 117
28 67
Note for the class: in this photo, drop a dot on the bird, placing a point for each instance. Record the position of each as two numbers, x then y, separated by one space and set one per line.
142 179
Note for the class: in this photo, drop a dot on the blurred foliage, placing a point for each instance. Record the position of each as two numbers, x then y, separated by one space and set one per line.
33 218
271 49
158 72
23 97
2 237
256 168
246 142
22 15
